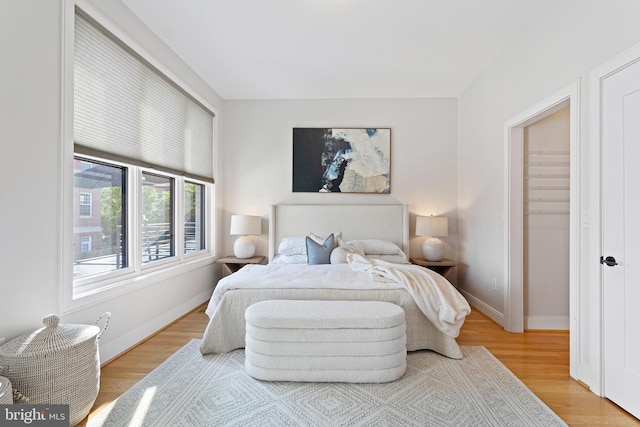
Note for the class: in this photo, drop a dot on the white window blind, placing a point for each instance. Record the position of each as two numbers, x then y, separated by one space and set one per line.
127 110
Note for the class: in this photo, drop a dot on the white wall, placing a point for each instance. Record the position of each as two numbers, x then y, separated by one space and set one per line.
257 151
559 46
31 156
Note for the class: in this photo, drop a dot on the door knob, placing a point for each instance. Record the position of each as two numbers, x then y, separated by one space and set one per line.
610 261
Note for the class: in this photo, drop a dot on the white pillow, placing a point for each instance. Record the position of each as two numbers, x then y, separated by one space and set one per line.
339 254
289 259
337 238
378 247
298 245
293 246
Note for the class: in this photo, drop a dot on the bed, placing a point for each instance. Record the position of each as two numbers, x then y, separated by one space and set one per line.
377 226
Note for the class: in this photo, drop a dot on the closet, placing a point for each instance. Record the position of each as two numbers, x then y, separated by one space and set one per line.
546 222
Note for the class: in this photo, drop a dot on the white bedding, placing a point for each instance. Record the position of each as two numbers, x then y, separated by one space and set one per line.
253 283
440 302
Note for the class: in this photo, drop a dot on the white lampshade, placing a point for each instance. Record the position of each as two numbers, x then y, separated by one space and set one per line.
245 225
434 227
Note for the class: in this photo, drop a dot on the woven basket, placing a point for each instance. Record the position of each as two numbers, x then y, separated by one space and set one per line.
6 395
57 364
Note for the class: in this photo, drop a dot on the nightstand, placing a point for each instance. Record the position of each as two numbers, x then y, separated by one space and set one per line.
234 264
447 268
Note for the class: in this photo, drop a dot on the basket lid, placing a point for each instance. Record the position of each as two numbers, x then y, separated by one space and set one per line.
53 337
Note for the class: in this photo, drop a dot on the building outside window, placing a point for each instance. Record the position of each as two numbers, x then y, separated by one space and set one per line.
85 244
85 205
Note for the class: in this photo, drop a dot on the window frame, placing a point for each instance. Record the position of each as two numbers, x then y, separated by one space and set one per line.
120 280
140 233
205 223
129 279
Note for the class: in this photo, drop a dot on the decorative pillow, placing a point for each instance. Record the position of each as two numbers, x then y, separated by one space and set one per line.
320 253
339 255
292 246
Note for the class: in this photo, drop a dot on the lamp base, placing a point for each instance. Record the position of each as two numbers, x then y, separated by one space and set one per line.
433 249
244 247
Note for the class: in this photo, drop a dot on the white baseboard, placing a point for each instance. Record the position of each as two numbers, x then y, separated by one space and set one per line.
119 345
547 323
483 307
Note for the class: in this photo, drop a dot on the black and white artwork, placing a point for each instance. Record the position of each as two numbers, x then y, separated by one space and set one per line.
341 160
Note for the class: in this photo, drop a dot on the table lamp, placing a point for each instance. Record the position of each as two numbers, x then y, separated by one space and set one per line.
245 226
434 227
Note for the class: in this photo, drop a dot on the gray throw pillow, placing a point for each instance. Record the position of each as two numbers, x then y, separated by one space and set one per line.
320 253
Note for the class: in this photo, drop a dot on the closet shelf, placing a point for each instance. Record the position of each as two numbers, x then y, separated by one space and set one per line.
548 164
550 187
547 175
548 199
548 152
547 212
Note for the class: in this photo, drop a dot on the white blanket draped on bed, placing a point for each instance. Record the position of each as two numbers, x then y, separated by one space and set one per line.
440 302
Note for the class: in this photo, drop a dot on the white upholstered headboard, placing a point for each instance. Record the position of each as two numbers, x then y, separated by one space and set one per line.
387 222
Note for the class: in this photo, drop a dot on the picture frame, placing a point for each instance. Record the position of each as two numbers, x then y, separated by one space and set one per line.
342 160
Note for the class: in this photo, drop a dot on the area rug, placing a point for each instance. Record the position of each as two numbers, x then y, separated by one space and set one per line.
190 389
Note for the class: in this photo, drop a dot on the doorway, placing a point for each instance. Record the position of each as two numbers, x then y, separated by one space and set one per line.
546 157
514 274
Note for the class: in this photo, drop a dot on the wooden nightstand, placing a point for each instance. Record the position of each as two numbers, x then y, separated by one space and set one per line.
234 264
447 268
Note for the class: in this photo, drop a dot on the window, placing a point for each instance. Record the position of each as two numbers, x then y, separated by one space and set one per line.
104 241
194 213
102 250
143 165
85 205
157 218
85 244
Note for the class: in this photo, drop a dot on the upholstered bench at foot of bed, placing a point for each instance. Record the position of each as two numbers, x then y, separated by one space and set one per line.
325 341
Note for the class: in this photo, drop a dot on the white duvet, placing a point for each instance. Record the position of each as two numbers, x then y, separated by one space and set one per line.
438 300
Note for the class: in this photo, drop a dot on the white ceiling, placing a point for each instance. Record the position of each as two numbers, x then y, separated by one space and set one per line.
298 49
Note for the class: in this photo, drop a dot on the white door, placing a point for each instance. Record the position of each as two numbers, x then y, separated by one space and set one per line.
621 236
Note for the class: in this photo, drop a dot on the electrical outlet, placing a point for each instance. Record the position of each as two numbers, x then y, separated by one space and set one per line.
495 283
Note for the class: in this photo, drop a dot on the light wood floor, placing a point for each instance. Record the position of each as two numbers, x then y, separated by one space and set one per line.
539 358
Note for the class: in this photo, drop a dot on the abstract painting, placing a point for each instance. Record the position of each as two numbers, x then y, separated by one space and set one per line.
341 160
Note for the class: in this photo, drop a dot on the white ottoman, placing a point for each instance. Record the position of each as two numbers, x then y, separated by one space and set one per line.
325 341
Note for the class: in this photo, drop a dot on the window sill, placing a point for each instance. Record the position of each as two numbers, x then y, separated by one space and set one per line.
132 283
